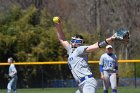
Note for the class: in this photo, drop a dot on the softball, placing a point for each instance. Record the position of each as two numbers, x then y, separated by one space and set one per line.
56 19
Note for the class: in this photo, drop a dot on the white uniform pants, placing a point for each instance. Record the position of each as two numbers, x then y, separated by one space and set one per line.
110 78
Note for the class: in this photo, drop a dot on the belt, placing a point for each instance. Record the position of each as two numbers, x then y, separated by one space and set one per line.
86 77
110 71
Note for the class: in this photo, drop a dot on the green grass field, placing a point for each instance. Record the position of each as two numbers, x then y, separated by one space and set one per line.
71 90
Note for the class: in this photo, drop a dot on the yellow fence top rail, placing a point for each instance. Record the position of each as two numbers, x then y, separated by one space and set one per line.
63 62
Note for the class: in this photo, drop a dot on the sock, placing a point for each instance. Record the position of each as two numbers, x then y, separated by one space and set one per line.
114 90
15 91
8 91
105 91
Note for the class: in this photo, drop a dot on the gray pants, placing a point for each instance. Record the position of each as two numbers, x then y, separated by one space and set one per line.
12 85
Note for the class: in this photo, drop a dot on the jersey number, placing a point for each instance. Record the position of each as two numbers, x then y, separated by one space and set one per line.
110 64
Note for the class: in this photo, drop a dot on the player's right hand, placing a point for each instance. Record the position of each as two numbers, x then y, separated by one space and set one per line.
56 19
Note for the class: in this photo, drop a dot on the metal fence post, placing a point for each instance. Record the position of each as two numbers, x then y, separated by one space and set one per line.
135 75
42 72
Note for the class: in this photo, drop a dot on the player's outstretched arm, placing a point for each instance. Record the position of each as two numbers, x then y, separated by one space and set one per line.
60 33
101 44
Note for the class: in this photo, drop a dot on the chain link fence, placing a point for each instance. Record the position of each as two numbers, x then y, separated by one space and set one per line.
42 76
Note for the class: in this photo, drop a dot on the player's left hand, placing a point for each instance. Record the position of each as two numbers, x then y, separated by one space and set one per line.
7 76
122 35
102 76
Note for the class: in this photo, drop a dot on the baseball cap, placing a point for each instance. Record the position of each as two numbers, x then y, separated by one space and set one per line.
108 46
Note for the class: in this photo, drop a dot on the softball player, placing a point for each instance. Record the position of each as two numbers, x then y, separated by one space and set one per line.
78 59
109 69
13 76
